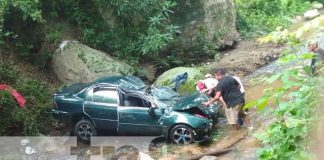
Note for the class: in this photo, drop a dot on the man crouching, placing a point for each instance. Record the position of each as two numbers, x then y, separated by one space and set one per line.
233 97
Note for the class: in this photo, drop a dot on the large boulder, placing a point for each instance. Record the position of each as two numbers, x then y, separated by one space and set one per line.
194 74
211 20
310 29
311 14
317 5
75 62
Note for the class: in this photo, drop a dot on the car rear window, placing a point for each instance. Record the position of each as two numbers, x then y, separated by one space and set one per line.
103 95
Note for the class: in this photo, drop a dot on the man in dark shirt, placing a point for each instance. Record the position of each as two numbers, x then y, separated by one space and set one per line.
228 88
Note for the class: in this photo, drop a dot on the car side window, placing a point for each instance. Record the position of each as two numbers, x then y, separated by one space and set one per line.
103 95
136 102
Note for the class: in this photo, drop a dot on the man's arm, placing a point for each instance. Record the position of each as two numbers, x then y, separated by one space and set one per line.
221 100
217 96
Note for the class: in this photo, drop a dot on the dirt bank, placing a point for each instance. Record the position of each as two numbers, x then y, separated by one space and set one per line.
247 56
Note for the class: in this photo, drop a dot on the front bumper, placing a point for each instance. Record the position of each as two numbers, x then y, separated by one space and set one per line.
203 133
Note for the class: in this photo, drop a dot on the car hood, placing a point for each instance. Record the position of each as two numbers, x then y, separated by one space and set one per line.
194 100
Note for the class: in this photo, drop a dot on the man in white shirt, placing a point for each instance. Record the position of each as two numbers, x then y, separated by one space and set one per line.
210 83
208 86
244 113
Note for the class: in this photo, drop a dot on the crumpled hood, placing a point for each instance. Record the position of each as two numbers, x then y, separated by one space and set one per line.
195 100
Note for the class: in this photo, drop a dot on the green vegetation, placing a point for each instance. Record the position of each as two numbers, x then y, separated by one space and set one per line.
35 118
136 31
294 107
257 17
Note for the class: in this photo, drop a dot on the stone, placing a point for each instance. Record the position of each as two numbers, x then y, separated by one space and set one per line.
311 14
310 29
317 5
75 62
194 74
208 158
214 20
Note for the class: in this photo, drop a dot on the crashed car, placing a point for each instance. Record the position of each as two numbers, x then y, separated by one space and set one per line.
127 106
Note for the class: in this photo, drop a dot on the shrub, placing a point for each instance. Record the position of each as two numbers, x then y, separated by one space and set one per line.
257 17
294 110
35 118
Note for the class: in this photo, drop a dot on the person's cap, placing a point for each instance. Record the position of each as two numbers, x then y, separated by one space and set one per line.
200 85
208 75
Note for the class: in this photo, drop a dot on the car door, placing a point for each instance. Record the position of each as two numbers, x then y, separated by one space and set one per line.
101 105
135 119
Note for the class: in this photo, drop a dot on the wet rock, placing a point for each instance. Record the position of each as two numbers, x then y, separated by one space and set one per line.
212 20
75 62
311 14
208 158
144 156
310 28
170 157
194 75
317 5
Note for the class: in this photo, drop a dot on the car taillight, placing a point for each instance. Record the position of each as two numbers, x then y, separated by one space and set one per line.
201 115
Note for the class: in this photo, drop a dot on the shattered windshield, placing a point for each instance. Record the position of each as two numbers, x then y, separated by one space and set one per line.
130 83
163 93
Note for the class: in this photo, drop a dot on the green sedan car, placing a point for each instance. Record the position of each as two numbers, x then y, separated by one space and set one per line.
126 106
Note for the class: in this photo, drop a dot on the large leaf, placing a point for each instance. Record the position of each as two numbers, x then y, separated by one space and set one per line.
250 104
262 103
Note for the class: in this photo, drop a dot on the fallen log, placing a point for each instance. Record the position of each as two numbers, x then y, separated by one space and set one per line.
210 153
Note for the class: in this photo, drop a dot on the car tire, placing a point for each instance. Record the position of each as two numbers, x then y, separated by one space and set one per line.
181 134
84 129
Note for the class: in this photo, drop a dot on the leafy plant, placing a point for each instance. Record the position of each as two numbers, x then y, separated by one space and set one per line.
35 118
257 17
295 104
29 9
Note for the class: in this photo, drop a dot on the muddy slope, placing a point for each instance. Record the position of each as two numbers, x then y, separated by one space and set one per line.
247 56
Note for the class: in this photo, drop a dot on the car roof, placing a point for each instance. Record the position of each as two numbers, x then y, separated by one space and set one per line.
124 82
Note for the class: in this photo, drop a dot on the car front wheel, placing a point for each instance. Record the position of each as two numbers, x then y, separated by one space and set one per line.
181 134
84 129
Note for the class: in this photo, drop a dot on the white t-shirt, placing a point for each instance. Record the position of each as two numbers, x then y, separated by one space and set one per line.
241 85
210 83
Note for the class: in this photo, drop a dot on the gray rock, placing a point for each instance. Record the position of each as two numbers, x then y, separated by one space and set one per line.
212 20
208 158
194 75
311 14
317 5
75 62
